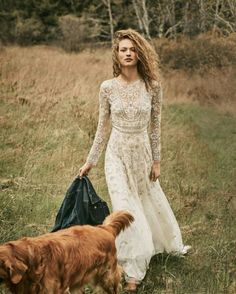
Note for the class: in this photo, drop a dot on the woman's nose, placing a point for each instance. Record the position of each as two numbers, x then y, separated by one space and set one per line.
128 53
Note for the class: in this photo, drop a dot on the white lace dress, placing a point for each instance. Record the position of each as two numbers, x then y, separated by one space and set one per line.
130 152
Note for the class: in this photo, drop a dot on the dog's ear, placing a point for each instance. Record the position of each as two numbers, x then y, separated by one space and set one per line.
16 270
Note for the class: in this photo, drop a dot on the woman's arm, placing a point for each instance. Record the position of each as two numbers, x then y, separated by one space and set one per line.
100 136
155 134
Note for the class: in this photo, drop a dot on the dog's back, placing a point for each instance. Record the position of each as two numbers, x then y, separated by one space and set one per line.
67 258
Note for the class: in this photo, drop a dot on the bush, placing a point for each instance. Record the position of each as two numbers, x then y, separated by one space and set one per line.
77 31
203 52
7 25
29 31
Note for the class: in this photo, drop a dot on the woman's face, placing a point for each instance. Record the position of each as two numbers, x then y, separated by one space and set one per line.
127 54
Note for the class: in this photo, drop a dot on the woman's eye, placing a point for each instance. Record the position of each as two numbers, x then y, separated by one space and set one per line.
132 49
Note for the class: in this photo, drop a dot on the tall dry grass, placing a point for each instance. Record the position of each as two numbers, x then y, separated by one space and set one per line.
48 120
34 74
48 117
214 88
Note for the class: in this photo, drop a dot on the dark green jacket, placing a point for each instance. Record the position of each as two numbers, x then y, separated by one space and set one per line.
81 206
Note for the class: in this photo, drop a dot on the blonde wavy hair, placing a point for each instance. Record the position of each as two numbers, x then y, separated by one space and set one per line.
148 60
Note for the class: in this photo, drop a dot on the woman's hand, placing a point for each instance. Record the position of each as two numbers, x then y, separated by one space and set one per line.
84 170
155 171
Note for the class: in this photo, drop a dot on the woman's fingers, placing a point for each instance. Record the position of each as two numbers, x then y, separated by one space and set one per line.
154 175
150 176
154 178
84 170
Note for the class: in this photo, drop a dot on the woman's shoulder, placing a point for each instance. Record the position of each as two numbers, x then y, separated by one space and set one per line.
155 87
107 84
156 84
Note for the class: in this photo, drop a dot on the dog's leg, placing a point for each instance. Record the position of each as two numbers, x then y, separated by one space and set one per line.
110 281
76 291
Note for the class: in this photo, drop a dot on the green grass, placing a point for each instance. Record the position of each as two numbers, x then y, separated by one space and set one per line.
199 174
39 161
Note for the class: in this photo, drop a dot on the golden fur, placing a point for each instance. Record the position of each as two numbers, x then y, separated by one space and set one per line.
68 259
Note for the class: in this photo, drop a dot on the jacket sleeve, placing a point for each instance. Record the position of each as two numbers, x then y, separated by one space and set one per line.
103 122
155 124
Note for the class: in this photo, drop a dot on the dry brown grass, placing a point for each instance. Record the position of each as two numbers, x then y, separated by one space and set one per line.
34 76
215 88
36 73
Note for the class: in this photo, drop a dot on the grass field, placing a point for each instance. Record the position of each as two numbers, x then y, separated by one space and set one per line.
48 118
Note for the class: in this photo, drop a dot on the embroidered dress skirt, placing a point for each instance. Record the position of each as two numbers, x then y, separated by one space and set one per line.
128 162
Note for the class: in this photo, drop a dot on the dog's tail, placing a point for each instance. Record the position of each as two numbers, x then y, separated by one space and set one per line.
118 221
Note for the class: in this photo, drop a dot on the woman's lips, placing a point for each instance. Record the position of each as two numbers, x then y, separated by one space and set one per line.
128 59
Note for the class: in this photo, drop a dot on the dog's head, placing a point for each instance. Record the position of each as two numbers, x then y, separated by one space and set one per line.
11 269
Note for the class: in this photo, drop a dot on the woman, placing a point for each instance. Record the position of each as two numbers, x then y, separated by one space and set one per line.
132 99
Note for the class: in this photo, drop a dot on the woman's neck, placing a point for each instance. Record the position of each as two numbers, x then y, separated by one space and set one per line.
129 74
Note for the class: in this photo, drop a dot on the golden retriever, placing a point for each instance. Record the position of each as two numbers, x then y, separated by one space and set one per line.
66 260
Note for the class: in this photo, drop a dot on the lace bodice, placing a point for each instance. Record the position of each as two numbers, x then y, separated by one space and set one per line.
132 110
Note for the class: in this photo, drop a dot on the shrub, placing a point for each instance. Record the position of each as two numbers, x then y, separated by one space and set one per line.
29 31
7 25
76 31
203 52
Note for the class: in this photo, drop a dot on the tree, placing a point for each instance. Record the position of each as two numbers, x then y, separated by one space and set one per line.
142 16
107 3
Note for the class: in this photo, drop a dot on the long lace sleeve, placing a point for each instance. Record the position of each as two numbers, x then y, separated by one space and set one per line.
155 124
104 115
